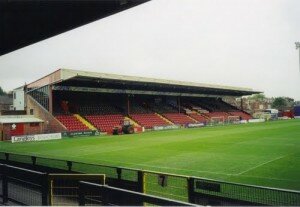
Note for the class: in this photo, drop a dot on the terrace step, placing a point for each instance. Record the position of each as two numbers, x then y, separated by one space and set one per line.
204 115
132 121
165 119
197 117
85 122
192 118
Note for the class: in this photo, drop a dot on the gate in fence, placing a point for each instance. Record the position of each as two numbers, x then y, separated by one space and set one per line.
64 187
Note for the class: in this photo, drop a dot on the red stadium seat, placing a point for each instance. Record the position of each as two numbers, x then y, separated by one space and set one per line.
105 123
243 115
179 118
71 123
149 120
198 117
218 114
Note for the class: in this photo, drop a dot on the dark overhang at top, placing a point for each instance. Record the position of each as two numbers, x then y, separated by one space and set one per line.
24 22
84 84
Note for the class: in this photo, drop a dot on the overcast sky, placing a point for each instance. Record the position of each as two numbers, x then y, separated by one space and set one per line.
247 43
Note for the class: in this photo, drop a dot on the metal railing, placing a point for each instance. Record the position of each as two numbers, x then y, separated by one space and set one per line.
27 187
182 188
1 178
23 187
64 188
95 194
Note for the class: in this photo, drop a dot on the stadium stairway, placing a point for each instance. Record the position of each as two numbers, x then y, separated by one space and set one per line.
198 117
179 118
195 120
71 123
165 119
106 123
204 115
132 121
223 114
85 122
241 114
149 120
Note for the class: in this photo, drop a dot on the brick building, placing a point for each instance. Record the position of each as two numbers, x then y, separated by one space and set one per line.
19 125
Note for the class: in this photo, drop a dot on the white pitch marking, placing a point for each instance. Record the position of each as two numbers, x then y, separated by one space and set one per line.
172 168
264 163
267 178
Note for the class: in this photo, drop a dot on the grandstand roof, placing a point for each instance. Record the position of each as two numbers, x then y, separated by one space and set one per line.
12 119
77 80
27 22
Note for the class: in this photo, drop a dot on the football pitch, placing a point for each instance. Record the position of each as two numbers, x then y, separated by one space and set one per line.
266 154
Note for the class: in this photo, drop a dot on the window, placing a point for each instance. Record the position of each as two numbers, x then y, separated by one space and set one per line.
31 112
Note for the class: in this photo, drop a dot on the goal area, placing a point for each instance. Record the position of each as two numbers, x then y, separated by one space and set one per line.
217 120
233 119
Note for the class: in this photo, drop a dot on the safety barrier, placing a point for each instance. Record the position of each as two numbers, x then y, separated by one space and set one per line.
27 187
182 188
23 187
95 194
1 178
64 187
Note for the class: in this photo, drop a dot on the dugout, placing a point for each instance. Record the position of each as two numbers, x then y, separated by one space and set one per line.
12 125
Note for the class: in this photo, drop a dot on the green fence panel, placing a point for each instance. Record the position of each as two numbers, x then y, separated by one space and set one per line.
2 156
110 172
174 186
20 158
254 194
59 164
130 175
168 186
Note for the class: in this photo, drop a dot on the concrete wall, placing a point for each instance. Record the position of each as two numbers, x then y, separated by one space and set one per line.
51 124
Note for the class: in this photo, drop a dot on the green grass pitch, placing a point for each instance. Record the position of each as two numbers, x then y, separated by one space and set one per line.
266 154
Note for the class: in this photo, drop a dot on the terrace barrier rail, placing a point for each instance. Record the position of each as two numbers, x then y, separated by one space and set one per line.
95 194
194 190
64 188
21 186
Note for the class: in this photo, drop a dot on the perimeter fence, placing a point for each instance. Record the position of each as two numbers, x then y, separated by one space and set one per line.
182 188
64 188
91 194
20 186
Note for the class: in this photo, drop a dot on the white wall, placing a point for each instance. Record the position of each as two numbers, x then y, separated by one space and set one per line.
18 99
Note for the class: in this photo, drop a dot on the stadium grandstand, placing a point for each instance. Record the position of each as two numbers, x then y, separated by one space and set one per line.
73 100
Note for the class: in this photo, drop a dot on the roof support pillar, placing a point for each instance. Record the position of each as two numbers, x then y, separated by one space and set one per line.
128 104
50 100
242 108
178 101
